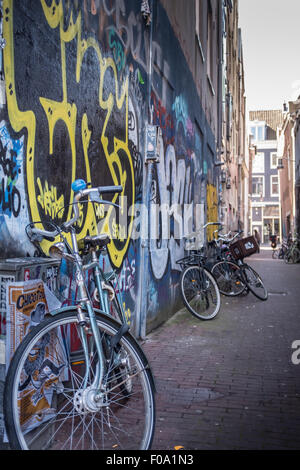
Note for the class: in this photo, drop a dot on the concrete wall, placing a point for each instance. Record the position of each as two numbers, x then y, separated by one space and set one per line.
82 81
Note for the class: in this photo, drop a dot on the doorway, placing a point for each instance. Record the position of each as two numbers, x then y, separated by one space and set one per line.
271 227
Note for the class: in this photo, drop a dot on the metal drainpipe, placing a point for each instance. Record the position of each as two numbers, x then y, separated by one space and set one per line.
220 99
293 175
143 273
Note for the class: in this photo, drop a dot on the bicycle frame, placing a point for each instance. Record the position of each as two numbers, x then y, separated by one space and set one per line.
84 301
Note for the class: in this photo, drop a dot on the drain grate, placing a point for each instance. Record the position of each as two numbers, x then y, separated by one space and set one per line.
273 292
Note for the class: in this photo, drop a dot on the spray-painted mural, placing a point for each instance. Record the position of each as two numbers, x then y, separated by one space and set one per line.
83 79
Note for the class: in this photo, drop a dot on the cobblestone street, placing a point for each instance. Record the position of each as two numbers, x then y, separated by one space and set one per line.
229 383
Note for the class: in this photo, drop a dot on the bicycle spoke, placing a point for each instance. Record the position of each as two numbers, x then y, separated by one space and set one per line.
74 419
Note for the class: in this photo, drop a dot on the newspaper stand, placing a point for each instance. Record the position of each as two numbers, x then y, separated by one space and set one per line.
17 270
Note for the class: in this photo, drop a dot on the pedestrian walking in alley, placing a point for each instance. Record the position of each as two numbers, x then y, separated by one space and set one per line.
257 238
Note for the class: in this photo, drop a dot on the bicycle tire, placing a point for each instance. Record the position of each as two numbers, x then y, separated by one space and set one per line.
200 292
229 278
287 256
292 256
70 414
116 312
254 282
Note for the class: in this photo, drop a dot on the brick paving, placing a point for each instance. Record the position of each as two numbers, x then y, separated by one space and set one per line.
229 383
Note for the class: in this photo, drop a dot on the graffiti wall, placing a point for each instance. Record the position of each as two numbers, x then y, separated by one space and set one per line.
183 178
82 80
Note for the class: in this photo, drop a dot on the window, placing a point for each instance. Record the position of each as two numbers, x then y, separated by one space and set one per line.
273 160
199 26
257 186
258 163
258 131
274 185
209 54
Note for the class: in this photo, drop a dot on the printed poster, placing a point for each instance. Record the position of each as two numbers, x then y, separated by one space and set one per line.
27 305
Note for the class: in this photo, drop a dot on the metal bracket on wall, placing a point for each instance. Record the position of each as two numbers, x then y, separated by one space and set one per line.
153 139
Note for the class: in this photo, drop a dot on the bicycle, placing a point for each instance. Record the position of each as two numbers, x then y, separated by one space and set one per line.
80 380
279 253
225 270
292 254
239 250
199 289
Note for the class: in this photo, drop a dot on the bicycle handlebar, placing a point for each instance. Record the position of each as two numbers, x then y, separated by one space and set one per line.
36 234
225 238
197 232
85 192
211 223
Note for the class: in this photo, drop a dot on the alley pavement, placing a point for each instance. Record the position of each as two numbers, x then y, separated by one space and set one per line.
230 383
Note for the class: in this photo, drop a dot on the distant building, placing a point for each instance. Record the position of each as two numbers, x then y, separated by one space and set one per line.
286 173
265 192
289 168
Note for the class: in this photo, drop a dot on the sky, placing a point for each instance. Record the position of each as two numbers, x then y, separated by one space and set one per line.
271 48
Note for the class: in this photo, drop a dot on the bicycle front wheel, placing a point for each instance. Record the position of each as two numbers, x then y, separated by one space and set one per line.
292 255
200 292
254 282
49 399
229 278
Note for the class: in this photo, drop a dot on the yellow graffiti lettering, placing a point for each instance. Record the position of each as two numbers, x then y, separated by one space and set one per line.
65 112
100 211
127 312
52 205
212 209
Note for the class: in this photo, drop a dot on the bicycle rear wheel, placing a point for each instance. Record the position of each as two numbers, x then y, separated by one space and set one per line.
49 400
229 278
254 282
200 292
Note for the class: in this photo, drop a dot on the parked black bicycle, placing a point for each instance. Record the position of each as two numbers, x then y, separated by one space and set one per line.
233 275
199 289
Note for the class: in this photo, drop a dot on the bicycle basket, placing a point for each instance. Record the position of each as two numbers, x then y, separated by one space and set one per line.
244 247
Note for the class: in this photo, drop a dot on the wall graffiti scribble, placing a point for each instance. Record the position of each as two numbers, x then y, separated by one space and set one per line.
83 80
69 124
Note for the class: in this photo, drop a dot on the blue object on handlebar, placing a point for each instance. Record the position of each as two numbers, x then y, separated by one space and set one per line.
78 185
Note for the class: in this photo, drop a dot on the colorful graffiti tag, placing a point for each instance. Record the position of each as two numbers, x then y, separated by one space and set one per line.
79 94
72 133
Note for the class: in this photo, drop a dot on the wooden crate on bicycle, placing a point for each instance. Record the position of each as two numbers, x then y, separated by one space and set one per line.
244 247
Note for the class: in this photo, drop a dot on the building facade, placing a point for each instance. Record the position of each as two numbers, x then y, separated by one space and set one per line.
297 167
265 192
234 172
286 173
288 165
83 85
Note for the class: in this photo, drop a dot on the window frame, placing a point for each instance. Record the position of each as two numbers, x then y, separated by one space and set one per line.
263 157
256 125
271 186
273 167
263 186
199 27
209 45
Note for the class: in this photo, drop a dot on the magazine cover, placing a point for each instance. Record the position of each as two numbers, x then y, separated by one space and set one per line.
27 304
